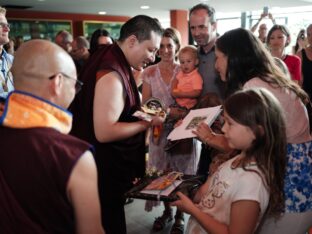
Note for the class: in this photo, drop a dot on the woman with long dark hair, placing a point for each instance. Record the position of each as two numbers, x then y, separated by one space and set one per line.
306 57
243 62
99 37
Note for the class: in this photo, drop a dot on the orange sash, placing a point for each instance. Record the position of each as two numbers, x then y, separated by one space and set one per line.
23 110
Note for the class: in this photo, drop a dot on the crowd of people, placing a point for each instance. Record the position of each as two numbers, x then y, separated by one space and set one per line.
71 146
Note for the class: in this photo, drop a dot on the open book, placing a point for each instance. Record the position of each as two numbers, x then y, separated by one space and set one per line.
163 185
163 192
190 122
147 188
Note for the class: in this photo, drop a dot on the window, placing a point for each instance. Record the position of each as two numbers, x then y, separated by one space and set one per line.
38 29
112 27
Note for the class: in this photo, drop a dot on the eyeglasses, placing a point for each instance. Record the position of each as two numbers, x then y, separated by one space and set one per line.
5 25
78 84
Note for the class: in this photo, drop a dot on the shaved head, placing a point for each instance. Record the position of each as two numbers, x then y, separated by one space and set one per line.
37 60
40 59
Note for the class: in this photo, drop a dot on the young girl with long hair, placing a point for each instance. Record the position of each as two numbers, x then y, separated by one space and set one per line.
236 196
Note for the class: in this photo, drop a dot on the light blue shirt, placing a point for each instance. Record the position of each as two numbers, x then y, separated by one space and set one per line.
6 78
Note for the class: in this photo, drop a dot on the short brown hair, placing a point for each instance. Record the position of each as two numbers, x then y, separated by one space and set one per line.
141 26
210 11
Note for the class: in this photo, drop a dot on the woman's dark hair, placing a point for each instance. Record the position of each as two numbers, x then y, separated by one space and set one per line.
247 58
284 30
260 111
95 37
301 36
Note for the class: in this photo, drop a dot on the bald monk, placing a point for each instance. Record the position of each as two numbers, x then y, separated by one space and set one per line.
48 179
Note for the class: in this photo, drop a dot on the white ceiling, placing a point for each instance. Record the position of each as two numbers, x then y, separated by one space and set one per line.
158 8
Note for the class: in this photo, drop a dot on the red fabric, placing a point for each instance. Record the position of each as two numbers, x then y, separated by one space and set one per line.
293 64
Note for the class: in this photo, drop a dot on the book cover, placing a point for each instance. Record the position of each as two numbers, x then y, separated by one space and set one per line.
191 121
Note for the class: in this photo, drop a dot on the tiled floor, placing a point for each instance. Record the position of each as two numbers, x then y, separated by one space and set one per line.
140 222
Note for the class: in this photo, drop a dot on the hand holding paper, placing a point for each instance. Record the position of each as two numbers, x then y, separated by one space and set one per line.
191 121
203 131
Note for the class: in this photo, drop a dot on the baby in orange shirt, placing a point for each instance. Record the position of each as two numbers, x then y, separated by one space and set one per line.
187 85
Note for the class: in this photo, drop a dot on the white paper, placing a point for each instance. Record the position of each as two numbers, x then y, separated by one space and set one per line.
164 192
190 122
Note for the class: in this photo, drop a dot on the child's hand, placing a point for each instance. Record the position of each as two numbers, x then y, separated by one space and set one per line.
184 204
203 132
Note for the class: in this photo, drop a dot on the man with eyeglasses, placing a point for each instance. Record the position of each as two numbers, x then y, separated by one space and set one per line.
48 179
6 60
64 39
80 52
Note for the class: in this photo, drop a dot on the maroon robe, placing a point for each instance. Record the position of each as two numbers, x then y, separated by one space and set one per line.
118 162
35 165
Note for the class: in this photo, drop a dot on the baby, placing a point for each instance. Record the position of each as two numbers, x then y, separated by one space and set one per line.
187 85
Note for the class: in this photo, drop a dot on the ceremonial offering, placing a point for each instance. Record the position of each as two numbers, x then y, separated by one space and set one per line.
165 187
150 108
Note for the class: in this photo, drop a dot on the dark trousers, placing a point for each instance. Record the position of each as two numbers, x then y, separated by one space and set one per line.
113 215
111 193
204 161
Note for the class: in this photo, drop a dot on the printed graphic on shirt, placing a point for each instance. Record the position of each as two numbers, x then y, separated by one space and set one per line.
216 191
